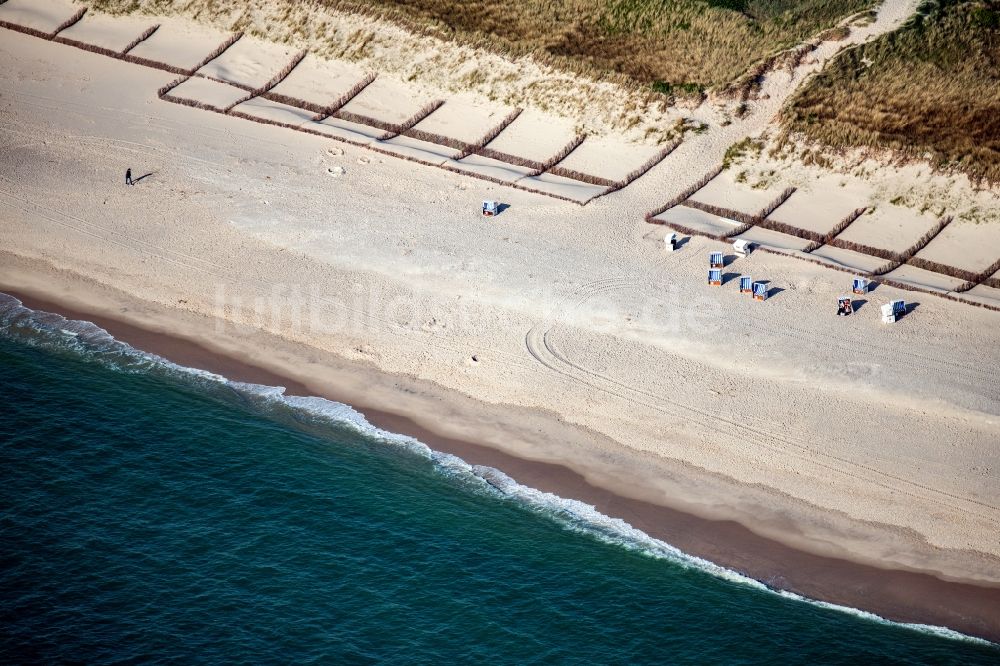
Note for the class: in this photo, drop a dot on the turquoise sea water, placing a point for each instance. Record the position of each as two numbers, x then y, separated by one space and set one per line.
153 514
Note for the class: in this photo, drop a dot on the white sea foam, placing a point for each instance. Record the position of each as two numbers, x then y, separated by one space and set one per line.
572 514
585 518
335 413
942 632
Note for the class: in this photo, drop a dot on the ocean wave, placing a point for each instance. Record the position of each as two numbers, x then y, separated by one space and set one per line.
934 630
53 331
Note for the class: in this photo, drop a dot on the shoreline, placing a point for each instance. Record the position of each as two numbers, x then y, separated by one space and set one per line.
850 462
894 594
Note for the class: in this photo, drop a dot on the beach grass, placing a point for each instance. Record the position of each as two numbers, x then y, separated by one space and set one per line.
676 47
679 47
930 90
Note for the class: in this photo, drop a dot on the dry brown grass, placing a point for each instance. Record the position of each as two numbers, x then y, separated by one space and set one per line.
430 65
679 47
72 20
45 35
931 90
146 34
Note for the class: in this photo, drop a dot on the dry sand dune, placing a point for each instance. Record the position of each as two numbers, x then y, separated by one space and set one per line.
925 279
321 82
275 112
463 119
773 239
113 33
534 136
889 227
345 130
699 220
178 43
850 259
724 191
388 101
45 17
822 207
213 94
967 245
490 168
249 62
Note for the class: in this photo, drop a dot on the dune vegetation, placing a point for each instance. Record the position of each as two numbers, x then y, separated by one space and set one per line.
673 45
930 90
677 47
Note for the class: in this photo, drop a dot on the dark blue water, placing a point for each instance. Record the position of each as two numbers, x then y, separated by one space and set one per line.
149 515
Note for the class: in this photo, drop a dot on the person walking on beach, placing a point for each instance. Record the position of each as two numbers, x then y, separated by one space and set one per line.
128 177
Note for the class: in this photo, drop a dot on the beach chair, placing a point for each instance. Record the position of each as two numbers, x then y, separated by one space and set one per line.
845 306
760 291
715 277
670 242
489 208
742 248
716 260
746 284
860 285
892 311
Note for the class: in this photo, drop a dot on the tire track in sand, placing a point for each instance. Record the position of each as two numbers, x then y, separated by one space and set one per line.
540 346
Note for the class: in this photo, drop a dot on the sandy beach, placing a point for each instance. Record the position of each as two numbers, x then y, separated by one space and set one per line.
840 458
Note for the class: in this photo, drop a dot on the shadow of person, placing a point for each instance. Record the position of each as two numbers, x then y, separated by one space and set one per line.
135 181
